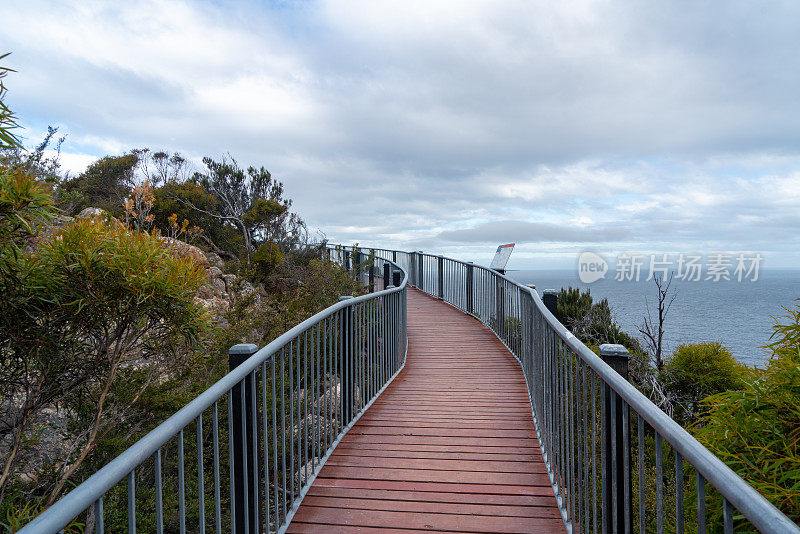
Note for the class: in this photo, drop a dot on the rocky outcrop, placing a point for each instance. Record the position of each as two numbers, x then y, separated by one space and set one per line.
214 260
97 214
185 250
87 213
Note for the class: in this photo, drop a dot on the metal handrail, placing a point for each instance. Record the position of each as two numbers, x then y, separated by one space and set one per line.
561 375
356 347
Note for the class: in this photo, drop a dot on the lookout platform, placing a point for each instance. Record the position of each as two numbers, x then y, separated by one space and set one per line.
449 446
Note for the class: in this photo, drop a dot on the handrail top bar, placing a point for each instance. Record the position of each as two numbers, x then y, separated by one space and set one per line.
60 514
757 509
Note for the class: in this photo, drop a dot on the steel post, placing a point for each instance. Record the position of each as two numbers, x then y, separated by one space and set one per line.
243 465
616 441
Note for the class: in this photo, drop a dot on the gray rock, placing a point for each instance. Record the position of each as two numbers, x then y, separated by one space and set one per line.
185 250
214 260
90 212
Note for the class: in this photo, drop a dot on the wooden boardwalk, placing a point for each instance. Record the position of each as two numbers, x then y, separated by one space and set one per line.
448 447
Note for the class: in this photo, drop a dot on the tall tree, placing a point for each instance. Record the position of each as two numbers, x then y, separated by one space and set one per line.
252 201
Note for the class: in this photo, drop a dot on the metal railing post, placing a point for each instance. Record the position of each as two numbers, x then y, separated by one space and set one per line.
357 258
440 284
550 300
470 290
348 378
500 306
387 274
371 279
412 265
241 426
617 472
346 260
394 256
420 267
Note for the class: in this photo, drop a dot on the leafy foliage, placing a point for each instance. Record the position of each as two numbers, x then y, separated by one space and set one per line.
253 202
85 307
697 371
592 322
756 429
8 121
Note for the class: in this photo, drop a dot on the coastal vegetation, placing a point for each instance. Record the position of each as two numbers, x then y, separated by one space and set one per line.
121 290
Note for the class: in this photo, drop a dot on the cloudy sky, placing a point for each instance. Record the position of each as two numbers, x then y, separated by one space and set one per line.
449 127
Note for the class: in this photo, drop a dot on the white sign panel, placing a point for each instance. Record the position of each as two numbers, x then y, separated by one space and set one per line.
501 256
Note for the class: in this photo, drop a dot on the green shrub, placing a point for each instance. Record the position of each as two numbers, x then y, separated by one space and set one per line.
697 371
756 430
592 322
97 314
265 259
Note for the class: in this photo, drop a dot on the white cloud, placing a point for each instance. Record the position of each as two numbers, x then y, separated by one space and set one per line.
397 122
72 163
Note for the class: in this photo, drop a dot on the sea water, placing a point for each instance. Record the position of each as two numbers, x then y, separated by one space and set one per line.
737 314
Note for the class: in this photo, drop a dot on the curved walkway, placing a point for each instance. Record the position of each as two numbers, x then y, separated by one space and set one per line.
449 446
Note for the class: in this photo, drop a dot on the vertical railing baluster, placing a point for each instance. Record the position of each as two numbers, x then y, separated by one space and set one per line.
701 504
283 434
217 500
159 493
318 451
246 511
640 429
304 435
231 466
292 364
279 483
253 468
181 486
326 383
201 496
586 438
659 485
727 516
604 411
341 348
571 385
679 492
626 460
132 502
266 443
593 392
98 515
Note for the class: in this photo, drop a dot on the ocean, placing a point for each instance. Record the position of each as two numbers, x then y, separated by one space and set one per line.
737 314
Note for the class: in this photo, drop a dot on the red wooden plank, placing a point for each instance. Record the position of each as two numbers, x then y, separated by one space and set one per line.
423 521
391 505
489 489
343 450
441 440
378 430
312 528
430 475
428 447
447 464
433 496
